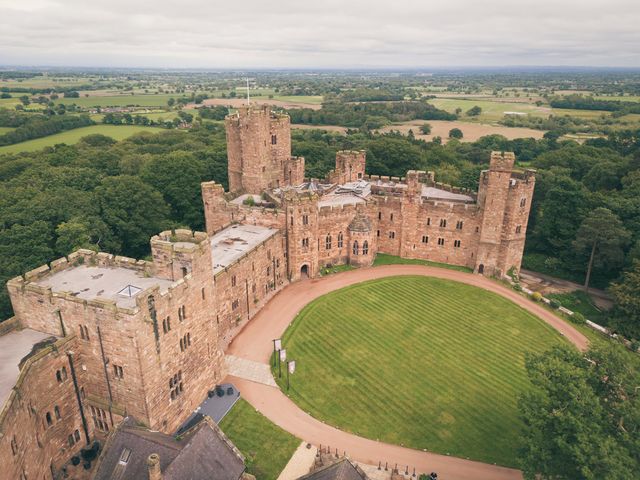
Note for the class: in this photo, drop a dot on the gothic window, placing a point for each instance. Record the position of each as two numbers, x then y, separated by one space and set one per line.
118 371
233 281
274 139
84 332
355 247
443 222
56 411
99 418
365 248
166 325
456 243
327 242
235 304
441 241
392 235
425 239
519 229
459 225
180 318
428 221
305 219
59 376
49 419
379 215
305 242
523 201
175 385
340 240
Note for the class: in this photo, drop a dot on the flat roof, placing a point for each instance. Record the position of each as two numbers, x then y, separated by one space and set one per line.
234 242
112 283
349 193
439 194
14 346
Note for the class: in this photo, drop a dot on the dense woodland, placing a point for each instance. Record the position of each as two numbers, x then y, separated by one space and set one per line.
113 196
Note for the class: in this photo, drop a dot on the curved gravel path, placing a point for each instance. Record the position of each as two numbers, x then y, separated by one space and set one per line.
254 343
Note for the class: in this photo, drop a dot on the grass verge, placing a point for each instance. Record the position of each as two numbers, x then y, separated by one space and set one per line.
384 259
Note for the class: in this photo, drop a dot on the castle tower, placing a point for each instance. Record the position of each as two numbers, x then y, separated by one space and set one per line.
217 214
350 166
362 243
504 197
258 149
181 252
302 234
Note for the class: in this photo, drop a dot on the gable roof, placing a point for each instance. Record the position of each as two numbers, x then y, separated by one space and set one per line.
202 453
341 470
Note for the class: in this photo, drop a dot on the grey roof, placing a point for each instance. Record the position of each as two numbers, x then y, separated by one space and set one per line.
360 223
112 283
203 453
14 347
234 242
341 470
440 194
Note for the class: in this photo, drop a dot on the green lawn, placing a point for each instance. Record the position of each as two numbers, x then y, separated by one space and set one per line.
428 363
384 259
70 137
266 446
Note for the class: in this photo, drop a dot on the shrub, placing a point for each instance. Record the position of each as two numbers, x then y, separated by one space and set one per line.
517 287
555 303
455 133
250 201
578 318
536 296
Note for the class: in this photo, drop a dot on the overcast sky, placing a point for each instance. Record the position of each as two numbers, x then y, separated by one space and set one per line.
319 33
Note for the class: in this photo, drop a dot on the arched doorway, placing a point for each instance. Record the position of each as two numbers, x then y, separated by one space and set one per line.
304 271
481 269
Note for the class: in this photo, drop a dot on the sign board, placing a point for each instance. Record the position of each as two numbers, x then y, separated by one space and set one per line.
292 366
283 355
277 344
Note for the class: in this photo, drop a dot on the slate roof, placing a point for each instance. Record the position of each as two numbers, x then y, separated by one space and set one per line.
360 223
341 470
202 453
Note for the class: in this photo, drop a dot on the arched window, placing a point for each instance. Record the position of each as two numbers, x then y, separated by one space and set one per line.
184 271
365 248
327 242
64 373
355 247
58 376
48 418
56 410
340 240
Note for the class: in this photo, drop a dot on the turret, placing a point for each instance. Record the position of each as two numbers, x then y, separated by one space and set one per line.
217 212
177 253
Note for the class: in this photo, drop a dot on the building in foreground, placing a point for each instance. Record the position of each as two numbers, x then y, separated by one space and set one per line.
98 338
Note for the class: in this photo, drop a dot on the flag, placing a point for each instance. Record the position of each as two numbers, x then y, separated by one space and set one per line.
292 366
277 344
283 355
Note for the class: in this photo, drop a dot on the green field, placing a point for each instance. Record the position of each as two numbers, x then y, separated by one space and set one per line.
266 447
150 100
427 363
494 111
4 130
70 137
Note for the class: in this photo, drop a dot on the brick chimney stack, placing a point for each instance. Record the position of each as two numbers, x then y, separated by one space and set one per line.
153 464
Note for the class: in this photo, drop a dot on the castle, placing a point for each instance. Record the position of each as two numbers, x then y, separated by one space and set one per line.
97 338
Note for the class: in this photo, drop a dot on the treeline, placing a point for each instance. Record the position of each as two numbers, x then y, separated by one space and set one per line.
217 112
41 126
368 115
581 102
371 95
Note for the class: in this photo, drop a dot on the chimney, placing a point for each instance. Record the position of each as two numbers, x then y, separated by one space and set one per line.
153 465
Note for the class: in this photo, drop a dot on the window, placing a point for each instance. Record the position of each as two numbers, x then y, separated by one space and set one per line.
99 418
477 229
391 217
292 220
202 292
235 304
185 342
365 248
175 385
456 243
425 239
76 435
184 272
84 332
340 240
118 372
274 139
392 234
305 242
443 222
305 219
523 201
379 215
70 440
182 313
377 233
355 247
233 281
441 241
428 221
459 225
56 411
166 325
268 254
519 229
49 419
327 242
14 445
124 456
277 263
268 271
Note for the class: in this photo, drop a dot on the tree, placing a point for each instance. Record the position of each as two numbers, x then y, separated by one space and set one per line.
455 133
603 235
626 295
171 102
425 128
582 417
25 100
474 111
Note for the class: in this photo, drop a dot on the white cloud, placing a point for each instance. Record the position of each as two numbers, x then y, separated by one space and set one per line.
347 33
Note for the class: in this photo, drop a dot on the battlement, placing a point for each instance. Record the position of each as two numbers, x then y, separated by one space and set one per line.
502 161
180 240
